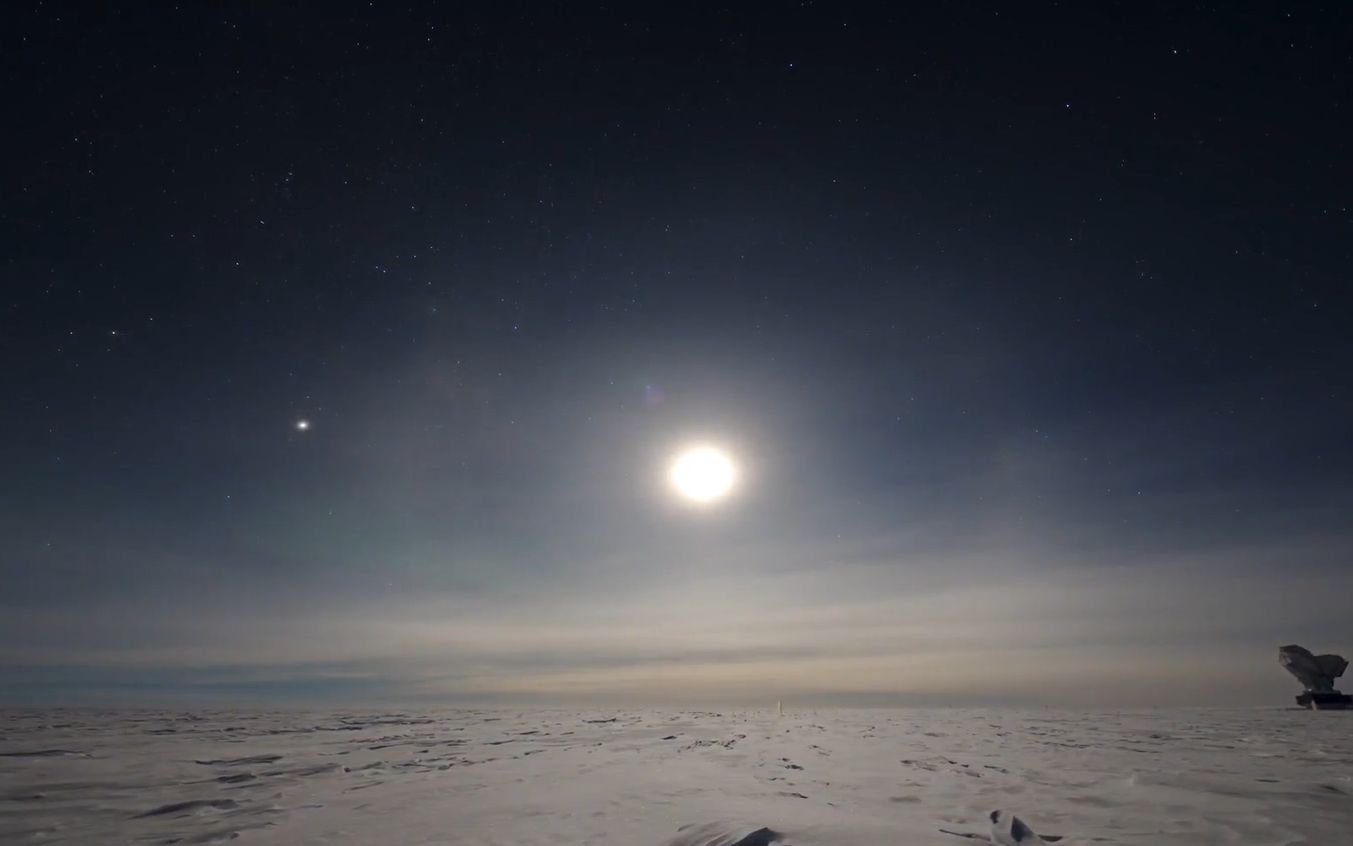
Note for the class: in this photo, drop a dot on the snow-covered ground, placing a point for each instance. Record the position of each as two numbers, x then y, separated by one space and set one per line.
635 777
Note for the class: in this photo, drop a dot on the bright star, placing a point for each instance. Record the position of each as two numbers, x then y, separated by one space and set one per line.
302 425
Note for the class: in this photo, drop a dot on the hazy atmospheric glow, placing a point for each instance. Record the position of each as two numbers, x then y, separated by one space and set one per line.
703 474
795 366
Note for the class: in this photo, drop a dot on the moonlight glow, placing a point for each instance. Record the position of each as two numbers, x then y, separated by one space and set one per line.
703 474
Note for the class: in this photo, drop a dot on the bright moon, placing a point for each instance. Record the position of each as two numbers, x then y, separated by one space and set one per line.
703 474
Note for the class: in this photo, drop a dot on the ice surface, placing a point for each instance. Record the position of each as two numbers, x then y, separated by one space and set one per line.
1253 777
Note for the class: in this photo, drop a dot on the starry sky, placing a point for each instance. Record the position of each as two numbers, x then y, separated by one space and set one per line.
1028 325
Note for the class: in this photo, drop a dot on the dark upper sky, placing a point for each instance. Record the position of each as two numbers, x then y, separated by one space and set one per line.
1029 325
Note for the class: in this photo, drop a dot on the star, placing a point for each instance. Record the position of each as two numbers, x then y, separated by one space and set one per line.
302 425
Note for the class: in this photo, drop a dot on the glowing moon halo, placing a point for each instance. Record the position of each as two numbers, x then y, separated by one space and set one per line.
703 474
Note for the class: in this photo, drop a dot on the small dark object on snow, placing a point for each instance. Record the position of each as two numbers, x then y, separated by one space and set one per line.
1317 674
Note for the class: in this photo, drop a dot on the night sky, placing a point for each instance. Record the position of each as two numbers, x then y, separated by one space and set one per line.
1027 326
